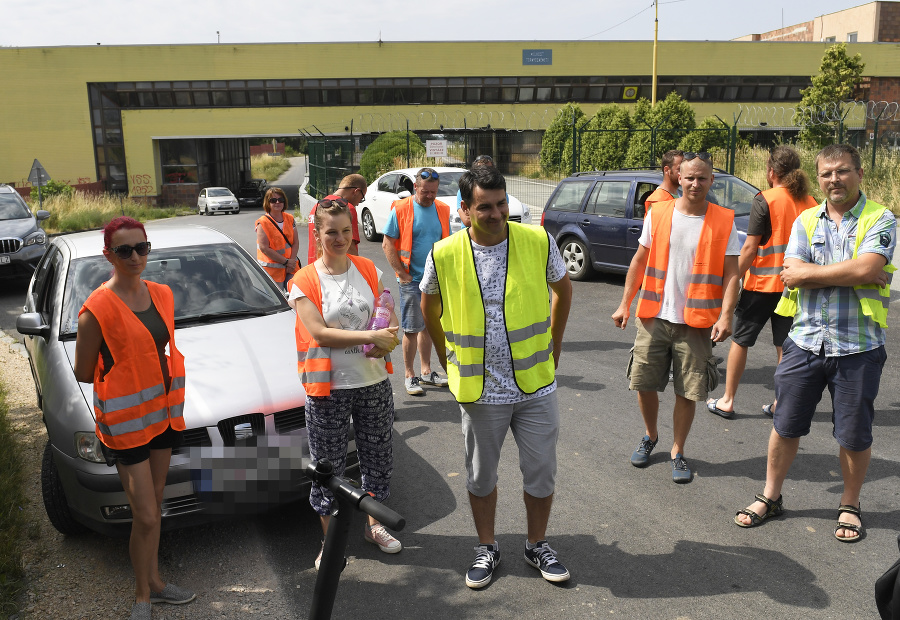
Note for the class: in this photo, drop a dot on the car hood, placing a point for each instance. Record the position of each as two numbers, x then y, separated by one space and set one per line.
17 228
234 368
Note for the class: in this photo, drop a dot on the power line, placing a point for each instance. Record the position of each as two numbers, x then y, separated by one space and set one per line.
629 19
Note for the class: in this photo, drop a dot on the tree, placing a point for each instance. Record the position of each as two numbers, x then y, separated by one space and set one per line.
672 112
710 134
379 156
604 148
820 107
556 145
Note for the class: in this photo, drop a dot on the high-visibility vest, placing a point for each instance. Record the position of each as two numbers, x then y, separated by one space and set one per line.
764 275
704 294
873 299
131 405
277 271
526 309
313 360
659 195
405 216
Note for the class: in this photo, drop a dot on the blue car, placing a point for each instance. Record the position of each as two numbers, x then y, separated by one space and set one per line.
596 217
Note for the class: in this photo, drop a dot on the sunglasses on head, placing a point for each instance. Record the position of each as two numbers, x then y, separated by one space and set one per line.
429 174
124 251
484 158
327 202
275 199
702 156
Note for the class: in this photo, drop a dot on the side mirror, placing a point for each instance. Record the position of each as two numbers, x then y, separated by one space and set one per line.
42 215
32 324
403 194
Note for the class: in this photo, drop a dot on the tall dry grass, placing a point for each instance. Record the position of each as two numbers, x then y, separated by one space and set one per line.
268 168
86 212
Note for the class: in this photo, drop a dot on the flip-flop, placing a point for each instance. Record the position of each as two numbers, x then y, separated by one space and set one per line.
769 410
712 406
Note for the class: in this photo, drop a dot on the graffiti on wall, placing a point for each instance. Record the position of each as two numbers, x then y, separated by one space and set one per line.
142 185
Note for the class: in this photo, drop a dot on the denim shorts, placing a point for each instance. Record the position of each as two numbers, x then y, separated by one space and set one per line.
852 380
412 321
754 310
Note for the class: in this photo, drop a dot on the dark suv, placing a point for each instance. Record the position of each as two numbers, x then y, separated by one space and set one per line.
596 217
252 192
22 241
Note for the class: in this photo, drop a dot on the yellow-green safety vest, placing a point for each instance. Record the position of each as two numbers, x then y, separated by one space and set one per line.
873 299
526 310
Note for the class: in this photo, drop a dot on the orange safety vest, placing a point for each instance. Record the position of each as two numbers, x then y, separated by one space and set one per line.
704 295
764 275
658 195
276 242
131 404
405 216
313 360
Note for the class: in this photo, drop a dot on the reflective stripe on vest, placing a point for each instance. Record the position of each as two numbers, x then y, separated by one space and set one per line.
277 271
526 310
313 360
764 274
406 213
703 301
130 401
873 300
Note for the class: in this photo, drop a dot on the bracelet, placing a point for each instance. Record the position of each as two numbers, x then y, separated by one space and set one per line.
286 261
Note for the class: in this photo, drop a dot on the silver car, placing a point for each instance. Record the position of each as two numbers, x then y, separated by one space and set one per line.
217 200
244 404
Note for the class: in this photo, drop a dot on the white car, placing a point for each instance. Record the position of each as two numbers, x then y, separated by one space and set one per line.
373 212
217 200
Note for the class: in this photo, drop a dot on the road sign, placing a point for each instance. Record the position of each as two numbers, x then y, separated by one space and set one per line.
436 148
38 175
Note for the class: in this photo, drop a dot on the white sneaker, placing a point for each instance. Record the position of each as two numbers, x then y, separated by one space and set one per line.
377 535
412 386
433 379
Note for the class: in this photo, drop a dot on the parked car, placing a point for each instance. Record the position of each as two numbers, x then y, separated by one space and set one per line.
22 241
597 217
217 200
242 393
373 212
251 193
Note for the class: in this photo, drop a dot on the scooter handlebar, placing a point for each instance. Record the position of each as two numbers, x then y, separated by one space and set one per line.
385 515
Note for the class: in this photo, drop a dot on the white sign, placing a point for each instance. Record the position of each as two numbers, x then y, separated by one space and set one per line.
436 148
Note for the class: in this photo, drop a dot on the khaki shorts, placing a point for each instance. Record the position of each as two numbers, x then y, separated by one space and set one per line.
658 343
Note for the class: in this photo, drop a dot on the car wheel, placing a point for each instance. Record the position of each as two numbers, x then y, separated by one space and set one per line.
55 497
369 227
577 259
199 210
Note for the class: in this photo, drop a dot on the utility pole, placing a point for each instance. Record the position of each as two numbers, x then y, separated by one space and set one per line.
655 43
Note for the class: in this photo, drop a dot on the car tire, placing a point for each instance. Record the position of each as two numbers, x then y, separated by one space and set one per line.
55 502
236 211
577 258
199 210
368 223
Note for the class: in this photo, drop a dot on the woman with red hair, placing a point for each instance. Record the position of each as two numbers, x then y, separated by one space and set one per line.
124 330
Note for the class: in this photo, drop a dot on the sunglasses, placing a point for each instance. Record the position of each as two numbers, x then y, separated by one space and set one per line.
124 251
486 158
702 156
276 199
327 202
429 174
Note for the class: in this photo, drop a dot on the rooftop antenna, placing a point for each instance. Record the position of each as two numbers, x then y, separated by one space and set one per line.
379 39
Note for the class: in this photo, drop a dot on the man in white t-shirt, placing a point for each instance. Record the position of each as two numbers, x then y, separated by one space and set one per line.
498 334
687 266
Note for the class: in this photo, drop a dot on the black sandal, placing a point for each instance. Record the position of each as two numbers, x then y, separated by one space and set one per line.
854 510
774 508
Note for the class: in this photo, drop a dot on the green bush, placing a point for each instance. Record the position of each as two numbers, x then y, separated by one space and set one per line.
378 157
52 188
710 134
556 145
838 77
674 112
605 150
12 517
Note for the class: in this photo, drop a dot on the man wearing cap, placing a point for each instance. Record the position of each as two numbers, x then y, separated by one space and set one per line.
352 188
414 225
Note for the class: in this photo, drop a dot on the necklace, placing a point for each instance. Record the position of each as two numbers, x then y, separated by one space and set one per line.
346 287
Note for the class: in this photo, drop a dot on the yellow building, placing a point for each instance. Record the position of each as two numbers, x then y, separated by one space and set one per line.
162 121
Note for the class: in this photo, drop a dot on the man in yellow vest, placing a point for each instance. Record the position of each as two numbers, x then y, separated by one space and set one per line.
687 259
838 261
498 335
414 225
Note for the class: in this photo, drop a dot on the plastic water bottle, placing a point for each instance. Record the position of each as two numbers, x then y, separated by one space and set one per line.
381 316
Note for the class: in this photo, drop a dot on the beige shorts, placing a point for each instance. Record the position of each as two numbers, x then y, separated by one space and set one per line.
658 344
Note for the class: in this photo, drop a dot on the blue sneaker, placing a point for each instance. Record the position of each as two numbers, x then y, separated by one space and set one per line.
543 558
641 455
681 473
487 558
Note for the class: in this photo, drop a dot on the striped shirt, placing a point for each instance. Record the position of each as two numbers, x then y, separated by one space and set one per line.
831 317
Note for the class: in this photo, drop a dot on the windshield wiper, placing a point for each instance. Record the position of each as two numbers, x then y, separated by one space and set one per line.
215 316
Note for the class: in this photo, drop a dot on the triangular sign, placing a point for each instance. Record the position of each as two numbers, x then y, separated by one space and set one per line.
38 174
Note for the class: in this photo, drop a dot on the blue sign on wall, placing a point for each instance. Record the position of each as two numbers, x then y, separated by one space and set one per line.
537 57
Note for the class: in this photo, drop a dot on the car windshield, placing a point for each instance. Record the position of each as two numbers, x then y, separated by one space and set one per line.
734 193
207 282
448 183
219 192
13 208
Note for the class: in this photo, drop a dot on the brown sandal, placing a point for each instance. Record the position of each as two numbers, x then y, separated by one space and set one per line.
774 508
854 510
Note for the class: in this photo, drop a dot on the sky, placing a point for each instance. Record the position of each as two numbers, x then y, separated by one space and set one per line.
41 23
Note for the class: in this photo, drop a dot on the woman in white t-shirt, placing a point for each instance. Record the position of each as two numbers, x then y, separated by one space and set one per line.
334 299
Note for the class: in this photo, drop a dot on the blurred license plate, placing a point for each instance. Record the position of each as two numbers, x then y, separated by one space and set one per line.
4 260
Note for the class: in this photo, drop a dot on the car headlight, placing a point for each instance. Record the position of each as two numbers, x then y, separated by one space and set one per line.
87 446
36 238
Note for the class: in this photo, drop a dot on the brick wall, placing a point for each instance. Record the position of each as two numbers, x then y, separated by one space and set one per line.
798 32
265 149
889 23
181 193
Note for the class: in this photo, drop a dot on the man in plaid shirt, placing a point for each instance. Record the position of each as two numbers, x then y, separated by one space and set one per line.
837 339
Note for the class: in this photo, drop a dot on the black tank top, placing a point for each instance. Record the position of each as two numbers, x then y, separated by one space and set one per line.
155 324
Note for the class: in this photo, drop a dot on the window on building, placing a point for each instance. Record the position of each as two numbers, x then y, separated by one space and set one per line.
830 39
851 37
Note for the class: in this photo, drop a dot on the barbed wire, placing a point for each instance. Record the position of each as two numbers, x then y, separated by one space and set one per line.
441 120
848 112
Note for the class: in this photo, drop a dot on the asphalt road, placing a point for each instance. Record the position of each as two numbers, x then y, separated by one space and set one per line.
637 545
